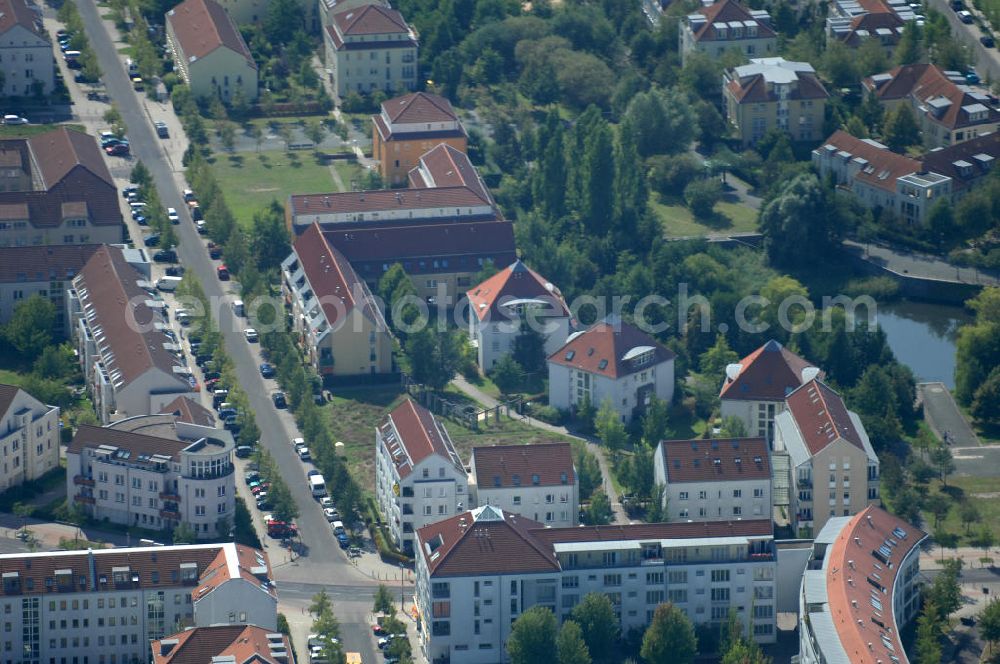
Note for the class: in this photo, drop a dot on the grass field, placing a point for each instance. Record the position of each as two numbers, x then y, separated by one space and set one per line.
980 491
251 180
23 131
678 221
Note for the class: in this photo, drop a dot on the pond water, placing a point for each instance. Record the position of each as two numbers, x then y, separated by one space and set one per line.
923 335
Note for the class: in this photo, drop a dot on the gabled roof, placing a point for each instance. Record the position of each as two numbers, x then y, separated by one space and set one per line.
370 20
55 153
447 166
54 262
89 436
611 348
724 12
753 83
770 373
17 12
411 433
866 557
485 540
506 466
385 200
242 643
981 153
7 395
863 27
515 282
929 86
822 417
419 108
113 302
333 279
883 166
241 562
202 26
187 410
716 460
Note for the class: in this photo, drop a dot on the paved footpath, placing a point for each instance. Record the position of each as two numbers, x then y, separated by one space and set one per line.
944 416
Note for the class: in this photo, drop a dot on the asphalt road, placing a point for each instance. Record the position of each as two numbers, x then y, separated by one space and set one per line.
321 559
987 59
943 415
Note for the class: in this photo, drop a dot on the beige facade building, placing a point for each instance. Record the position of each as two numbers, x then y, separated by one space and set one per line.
728 26
370 48
947 110
834 469
232 644
409 127
535 481
773 93
26 61
55 188
29 437
336 318
209 52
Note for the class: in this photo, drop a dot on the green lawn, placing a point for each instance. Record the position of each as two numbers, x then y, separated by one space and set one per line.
982 492
251 180
679 222
23 131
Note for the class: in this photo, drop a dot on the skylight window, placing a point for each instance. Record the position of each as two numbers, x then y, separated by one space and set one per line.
602 365
570 355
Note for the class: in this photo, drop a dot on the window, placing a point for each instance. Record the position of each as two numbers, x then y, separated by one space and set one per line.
720 594
612 580
683 495
677 595
655 596
758 493
737 493
720 576
654 578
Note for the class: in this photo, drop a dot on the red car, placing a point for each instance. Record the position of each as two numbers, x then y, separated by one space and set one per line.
280 529
117 150
223 273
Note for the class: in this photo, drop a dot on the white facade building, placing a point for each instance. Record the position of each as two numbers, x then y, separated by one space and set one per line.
860 589
499 305
370 48
26 59
104 606
419 478
535 481
130 357
612 361
29 437
477 572
154 471
714 480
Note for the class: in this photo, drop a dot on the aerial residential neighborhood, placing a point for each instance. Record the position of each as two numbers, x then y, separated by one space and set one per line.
364 331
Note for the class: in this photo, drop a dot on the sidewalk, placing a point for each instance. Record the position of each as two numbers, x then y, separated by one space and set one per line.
596 449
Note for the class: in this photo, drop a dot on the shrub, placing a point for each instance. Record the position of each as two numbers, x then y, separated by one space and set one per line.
548 414
701 197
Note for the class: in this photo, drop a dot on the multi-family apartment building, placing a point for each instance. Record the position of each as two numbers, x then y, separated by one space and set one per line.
327 8
755 388
56 189
46 271
536 481
186 409
513 297
860 590
156 472
209 52
370 48
29 437
339 324
901 185
231 644
714 480
477 572
409 126
947 110
103 606
131 359
26 62
774 93
612 361
855 23
727 26
834 470
244 12
419 477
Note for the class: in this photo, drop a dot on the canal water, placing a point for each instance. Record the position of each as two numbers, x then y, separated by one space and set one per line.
923 335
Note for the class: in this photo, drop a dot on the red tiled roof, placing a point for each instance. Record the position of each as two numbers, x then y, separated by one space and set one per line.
446 166
89 436
821 416
17 12
332 277
497 466
248 564
886 166
384 199
57 262
7 394
370 20
871 22
641 531
200 645
59 151
460 245
753 89
186 410
202 26
853 570
723 12
770 373
695 460
419 107
943 161
923 82
412 433
109 284
485 540
515 282
602 350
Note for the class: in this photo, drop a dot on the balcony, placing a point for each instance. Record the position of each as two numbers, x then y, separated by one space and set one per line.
86 500
805 481
171 514
171 496
83 480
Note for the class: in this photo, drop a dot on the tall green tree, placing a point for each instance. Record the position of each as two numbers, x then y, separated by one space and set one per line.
550 190
669 638
656 421
909 50
282 19
571 646
599 512
901 129
434 356
507 374
989 623
597 170
799 222
269 241
610 428
29 330
928 643
630 193
599 626
529 345
713 362
533 637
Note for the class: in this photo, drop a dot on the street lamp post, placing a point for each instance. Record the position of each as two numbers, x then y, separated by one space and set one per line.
402 598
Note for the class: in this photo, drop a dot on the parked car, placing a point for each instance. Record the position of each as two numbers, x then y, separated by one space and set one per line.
173 216
251 476
244 451
175 271
251 335
964 16
326 501
305 454
266 370
161 129
280 529
117 150
227 413
264 503
152 240
223 272
279 400
343 540
140 219
972 77
987 41
165 256
201 227
214 251
188 195
331 514
14 120
129 190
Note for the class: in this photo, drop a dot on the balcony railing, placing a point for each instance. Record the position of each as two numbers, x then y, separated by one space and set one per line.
83 480
87 500
805 481
170 495
170 514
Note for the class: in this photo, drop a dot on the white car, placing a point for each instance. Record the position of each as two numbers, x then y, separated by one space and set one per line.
326 501
298 442
173 216
251 335
331 514
14 120
304 454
